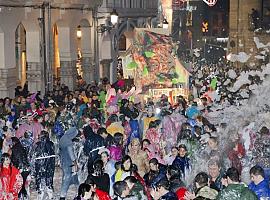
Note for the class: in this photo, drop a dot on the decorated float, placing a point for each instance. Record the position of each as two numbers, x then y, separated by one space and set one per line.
152 62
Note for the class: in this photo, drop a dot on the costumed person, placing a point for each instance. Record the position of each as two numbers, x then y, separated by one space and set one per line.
108 166
133 113
182 162
169 136
20 161
93 142
235 156
153 135
125 170
178 117
30 125
10 179
101 179
27 142
111 100
138 156
44 165
68 161
108 138
116 149
149 116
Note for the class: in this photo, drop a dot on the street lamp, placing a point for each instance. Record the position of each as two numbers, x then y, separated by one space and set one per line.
79 32
165 24
114 17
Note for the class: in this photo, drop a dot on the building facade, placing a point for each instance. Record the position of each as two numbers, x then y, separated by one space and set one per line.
248 19
39 40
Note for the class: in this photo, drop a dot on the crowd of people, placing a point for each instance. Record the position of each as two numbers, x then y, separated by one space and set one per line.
112 144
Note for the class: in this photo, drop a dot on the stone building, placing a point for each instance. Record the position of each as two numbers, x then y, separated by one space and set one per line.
243 28
42 41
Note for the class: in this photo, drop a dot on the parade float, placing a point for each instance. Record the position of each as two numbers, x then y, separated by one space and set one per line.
153 64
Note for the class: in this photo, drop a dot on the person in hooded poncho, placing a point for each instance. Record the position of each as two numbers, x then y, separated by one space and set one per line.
10 179
44 165
68 161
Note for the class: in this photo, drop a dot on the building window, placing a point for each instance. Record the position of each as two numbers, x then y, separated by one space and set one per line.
122 43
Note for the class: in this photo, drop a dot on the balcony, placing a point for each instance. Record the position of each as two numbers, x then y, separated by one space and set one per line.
131 8
63 4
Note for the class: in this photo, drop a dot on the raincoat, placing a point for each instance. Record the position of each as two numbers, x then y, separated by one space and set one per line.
11 182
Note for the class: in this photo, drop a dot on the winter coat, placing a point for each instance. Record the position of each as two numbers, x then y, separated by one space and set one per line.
11 183
169 196
236 192
44 168
207 192
261 190
181 163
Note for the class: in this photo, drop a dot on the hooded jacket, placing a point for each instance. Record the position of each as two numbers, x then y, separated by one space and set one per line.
92 142
236 192
66 147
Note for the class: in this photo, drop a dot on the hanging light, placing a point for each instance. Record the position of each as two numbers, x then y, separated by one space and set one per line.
165 24
79 32
114 17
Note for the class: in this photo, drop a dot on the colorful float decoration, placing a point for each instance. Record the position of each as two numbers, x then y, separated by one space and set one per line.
152 62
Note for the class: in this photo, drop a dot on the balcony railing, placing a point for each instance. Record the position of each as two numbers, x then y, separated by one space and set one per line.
130 8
